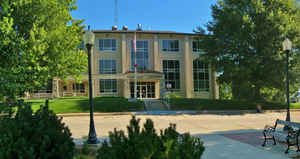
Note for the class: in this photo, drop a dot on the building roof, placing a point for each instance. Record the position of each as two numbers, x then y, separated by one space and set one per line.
143 31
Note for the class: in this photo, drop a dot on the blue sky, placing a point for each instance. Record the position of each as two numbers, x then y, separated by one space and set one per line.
173 15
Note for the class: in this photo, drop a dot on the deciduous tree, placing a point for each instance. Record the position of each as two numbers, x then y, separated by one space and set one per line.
38 41
244 43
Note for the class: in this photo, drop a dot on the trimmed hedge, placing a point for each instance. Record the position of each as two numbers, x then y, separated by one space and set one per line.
208 104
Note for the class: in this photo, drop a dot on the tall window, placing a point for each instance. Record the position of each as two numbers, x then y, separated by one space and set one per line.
172 73
201 76
170 45
108 86
142 55
107 66
196 46
78 87
107 44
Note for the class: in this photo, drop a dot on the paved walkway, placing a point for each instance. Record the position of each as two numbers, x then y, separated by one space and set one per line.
224 136
218 146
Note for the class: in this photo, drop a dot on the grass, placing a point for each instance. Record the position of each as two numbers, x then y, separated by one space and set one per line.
80 104
206 104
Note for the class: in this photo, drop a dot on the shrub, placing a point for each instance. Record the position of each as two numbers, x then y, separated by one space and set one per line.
39 135
173 95
145 143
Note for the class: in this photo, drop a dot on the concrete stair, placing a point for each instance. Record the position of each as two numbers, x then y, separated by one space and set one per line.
154 104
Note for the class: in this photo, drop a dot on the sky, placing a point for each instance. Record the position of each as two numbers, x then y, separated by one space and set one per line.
172 15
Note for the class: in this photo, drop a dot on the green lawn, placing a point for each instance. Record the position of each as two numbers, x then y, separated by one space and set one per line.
80 104
206 104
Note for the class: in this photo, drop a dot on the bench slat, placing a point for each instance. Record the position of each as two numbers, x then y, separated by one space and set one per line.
292 124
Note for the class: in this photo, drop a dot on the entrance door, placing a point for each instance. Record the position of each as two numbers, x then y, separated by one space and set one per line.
145 90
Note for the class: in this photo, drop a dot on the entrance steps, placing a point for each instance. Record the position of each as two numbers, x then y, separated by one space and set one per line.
154 104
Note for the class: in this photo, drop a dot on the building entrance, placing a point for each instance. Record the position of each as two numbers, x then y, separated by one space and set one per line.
145 90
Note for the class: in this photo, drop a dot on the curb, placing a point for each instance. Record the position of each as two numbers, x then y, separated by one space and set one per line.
95 114
179 112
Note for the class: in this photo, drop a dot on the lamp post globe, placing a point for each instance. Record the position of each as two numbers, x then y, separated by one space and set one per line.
287 47
89 39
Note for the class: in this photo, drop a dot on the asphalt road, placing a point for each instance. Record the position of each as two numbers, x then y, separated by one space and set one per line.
195 124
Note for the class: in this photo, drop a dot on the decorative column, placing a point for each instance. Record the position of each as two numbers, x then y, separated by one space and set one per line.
188 69
156 59
123 54
162 88
125 83
55 87
213 85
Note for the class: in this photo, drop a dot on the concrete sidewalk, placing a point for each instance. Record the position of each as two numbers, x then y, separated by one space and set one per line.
218 146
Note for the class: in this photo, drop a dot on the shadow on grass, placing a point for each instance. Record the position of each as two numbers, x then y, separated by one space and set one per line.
224 107
110 104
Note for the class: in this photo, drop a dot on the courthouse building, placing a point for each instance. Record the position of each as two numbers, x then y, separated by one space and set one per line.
164 59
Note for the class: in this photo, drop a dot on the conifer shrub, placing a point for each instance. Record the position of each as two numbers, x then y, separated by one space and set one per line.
145 143
39 135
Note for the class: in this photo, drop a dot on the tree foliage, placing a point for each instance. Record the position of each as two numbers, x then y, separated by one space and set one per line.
38 41
244 43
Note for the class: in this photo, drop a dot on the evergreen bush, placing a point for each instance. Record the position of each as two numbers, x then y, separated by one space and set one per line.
145 143
39 135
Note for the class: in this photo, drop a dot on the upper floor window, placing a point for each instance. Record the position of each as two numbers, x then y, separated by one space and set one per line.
201 76
196 46
170 45
107 44
141 57
107 66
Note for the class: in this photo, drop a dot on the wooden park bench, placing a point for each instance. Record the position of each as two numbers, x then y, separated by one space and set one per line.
291 136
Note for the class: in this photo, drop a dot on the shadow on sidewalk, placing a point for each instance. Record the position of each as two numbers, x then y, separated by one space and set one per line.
251 137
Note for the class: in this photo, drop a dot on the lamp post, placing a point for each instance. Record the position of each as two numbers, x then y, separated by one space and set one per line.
287 47
89 39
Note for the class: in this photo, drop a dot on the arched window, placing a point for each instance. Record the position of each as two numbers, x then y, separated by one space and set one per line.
201 76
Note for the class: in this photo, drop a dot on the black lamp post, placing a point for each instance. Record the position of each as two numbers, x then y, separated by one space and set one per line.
287 47
89 39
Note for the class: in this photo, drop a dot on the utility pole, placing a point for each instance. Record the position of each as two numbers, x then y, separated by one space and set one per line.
116 13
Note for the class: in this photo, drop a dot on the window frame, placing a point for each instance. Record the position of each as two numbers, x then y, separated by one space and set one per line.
175 72
205 82
109 73
131 51
79 90
111 86
169 49
198 50
108 50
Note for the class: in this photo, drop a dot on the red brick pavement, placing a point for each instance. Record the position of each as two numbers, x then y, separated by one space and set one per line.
253 138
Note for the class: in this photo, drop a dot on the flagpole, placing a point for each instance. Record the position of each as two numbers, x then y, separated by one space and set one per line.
135 68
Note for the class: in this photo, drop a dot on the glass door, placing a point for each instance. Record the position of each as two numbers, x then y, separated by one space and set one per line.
145 90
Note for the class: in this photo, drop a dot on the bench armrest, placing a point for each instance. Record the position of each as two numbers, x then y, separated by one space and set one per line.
268 127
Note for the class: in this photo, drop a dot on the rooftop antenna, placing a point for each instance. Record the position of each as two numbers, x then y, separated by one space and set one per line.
116 13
